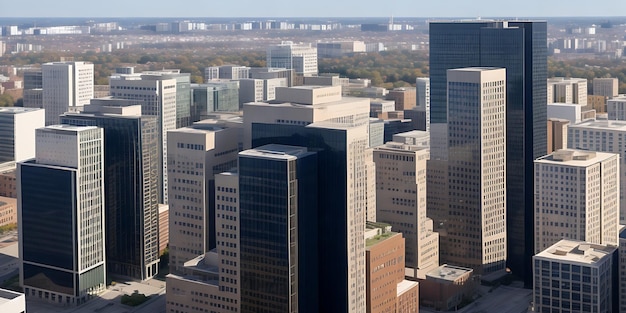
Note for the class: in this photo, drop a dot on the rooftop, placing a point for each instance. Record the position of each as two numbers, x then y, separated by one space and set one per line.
448 272
602 124
275 151
68 128
17 110
572 157
576 251
404 286
8 295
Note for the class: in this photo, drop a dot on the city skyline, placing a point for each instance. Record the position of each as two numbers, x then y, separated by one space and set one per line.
282 8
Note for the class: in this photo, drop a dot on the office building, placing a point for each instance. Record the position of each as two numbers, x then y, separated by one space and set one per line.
196 154
211 282
335 127
616 108
622 269
8 211
405 98
597 103
401 202
577 198
521 48
567 90
158 95
337 49
575 276
568 111
422 90
446 287
8 182
131 192
557 134
67 86
278 222
33 89
387 290
61 216
603 136
300 57
475 234
17 132
607 87
272 72
213 96
228 72
259 90
164 228
12 302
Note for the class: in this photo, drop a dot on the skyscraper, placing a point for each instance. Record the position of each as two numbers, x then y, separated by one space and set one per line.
300 57
279 241
475 222
61 216
66 87
577 198
521 48
131 189
17 132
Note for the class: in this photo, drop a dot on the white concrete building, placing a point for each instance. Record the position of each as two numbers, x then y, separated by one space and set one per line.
17 132
301 57
608 87
616 108
574 276
67 86
259 90
603 136
567 111
401 202
567 90
576 197
12 302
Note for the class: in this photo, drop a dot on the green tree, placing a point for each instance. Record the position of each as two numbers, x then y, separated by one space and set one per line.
6 101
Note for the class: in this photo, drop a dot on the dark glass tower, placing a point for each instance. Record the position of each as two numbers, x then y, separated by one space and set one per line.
521 48
278 230
131 190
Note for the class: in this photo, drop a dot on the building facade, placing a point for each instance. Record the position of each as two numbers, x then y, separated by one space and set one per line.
607 87
300 57
67 86
557 134
17 132
567 90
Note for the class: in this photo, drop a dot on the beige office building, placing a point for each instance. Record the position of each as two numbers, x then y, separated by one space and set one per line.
67 86
557 134
567 90
608 87
401 202
196 154
475 227
576 198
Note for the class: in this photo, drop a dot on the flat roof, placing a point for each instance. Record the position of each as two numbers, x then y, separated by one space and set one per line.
579 158
448 272
576 251
17 110
602 124
65 127
404 286
8 295
276 151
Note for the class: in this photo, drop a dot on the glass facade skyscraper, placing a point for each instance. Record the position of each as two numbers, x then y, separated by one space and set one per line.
521 48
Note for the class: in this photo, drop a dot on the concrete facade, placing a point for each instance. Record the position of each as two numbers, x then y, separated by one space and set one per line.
607 87
17 132
616 108
67 86
300 57
567 90
557 134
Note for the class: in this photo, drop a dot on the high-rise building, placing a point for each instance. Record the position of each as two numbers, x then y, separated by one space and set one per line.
61 216
273 72
214 96
319 119
159 98
422 86
253 89
401 202
233 72
196 154
131 189
616 108
577 198
300 57
603 136
17 132
404 97
67 86
387 290
567 90
575 276
33 89
278 229
521 48
557 134
622 269
475 223
608 87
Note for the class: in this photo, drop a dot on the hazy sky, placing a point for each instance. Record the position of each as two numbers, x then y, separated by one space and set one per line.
310 8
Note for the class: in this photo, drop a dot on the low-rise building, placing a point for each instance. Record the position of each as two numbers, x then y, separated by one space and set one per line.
12 302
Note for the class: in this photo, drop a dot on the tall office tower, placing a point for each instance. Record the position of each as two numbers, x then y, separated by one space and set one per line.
575 276
17 132
67 86
131 185
33 89
603 136
183 94
521 48
300 57
608 87
584 206
567 90
158 96
422 86
475 223
401 202
337 129
616 108
214 96
622 269
234 72
61 216
196 154
557 134
387 290
278 227
211 282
